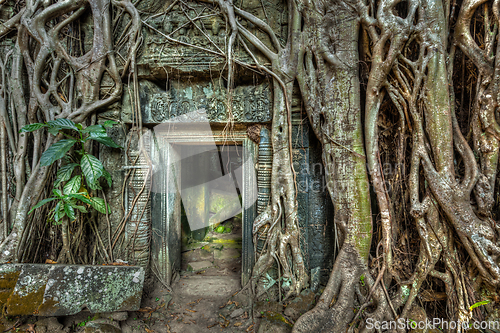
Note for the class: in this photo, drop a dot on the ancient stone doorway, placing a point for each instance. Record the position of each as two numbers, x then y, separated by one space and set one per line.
212 195
186 161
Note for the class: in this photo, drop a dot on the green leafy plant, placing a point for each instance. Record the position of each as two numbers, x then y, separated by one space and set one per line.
85 167
478 304
83 323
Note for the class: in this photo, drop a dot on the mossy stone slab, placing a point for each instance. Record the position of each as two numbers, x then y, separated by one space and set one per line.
61 290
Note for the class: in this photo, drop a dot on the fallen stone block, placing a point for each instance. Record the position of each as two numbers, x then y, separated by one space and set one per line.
199 265
209 286
118 316
48 325
62 290
8 279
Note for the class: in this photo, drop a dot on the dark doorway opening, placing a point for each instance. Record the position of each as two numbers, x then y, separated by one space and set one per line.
211 217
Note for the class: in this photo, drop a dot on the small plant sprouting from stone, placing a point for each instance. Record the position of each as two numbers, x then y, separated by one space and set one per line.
83 323
86 167
362 279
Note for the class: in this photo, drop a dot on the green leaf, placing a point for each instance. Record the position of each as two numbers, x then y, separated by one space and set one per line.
80 208
109 123
92 170
80 197
73 185
475 305
107 141
62 124
32 127
64 173
98 204
41 203
97 130
57 193
99 134
107 176
56 151
70 212
54 130
58 212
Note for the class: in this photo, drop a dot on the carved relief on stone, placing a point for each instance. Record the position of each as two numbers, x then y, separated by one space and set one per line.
249 103
257 108
192 36
159 103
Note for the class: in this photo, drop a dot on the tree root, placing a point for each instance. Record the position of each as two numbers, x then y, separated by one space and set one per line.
276 250
336 307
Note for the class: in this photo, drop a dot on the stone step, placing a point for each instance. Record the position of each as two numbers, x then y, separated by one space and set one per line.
208 286
226 254
199 265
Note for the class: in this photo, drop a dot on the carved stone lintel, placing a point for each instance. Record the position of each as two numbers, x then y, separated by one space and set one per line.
249 103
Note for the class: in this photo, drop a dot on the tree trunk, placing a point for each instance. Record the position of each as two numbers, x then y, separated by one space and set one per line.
337 122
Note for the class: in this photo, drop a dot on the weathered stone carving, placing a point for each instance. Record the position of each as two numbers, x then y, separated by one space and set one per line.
249 103
264 170
138 227
191 37
264 182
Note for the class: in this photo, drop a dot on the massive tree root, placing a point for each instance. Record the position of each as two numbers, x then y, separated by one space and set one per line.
336 120
425 91
283 234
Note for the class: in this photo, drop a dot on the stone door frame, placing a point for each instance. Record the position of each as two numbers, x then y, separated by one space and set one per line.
166 206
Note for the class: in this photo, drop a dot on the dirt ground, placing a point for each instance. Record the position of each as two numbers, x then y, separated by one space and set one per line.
205 300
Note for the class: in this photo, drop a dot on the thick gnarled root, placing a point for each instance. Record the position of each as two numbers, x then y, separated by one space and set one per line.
334 310
281 247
